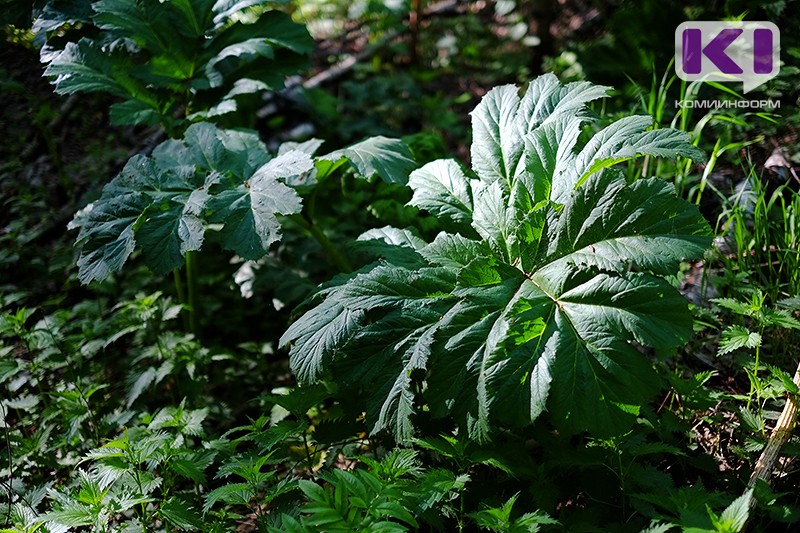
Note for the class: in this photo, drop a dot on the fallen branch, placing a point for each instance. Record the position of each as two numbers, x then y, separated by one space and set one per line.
780 435
346 64
350 61
290 92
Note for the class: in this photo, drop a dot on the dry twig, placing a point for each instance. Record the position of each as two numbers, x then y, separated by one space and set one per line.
780 435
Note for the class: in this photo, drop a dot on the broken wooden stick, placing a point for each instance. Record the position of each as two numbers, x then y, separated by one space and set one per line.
346 64
780 435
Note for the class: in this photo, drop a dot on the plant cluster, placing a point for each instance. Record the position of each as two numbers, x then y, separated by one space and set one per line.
500 346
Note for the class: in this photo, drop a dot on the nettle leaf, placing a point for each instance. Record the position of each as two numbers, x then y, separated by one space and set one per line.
180 514
735 337
541 299
163 203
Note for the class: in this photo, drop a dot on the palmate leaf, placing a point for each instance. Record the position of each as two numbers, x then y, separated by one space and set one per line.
538 302
163 203
629 137
502 121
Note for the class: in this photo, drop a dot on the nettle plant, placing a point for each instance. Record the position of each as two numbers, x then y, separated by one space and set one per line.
171 61
541 294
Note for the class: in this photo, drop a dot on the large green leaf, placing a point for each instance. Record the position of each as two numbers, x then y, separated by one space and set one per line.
163 203
150 52
194 16
549 158
248 211
55 14
629 137
539 302
84 67
224 10
240 51
241 43
147 22
502 120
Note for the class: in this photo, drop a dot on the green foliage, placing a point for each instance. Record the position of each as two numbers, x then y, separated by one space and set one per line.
164 202
761 230
163 59
735 337
499 519
510 306
254 481
732 520
536 300
761 318
396 494
355 501
734 517
132 472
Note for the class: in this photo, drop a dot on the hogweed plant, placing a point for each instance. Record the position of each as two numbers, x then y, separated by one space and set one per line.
214 180
178 64
171 63
549 276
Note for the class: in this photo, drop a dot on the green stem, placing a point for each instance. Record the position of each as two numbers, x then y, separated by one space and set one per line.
461 513
334 254
754 380
308 456
191 282
176 275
